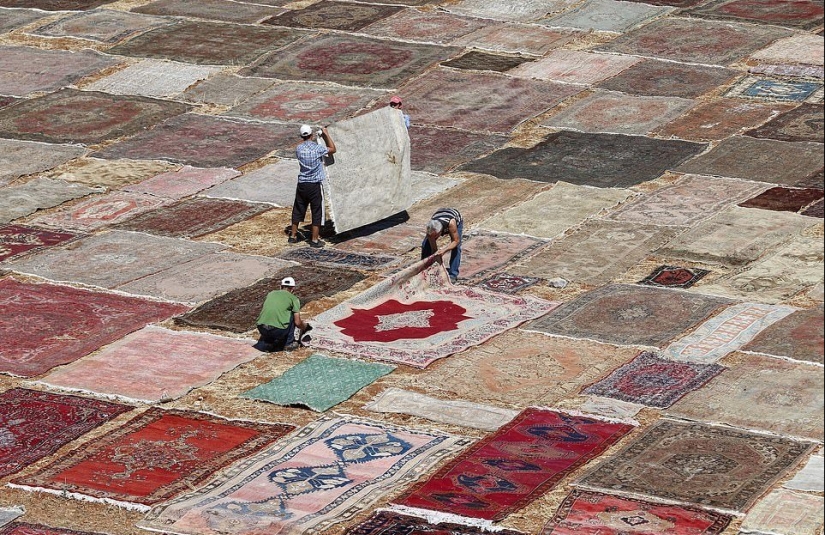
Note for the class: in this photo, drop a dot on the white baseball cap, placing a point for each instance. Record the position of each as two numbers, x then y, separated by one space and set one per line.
306 130
288 281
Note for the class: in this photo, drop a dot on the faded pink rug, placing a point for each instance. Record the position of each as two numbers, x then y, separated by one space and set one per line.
183 182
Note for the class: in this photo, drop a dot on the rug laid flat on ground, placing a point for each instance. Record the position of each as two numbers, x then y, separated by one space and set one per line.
333 15
810 478
654 381
759 392
145 365
103 25
667 79
434 153
153 78
65 323
7 514
798 336
319 382
334 258
152 458
601 160
462 413
507 470
786 511
237 310
435 26
805 15
726 332
718 467
803 123
784 199
22 528
720 118
578 67
27 70
764 89
18 240
627 314
112 174
384 241
183 182
591 513
100 210
416 316
18 158
606 16
110 259
390 523
210 9
193 217
273 184
328 471
507 283
483 253
674 277
39 193
88 117
36 424
520 368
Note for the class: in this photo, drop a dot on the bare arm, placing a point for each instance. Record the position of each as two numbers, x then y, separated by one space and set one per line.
328 140
455 239
301 324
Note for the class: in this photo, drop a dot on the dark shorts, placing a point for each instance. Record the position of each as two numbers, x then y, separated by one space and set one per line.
308 195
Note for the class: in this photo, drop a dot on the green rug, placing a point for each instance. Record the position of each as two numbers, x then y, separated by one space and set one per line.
319 382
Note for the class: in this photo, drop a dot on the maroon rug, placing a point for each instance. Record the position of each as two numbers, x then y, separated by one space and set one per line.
651 77
784 199
193 217
478 60
803 123
803 14
350 60
209 43
238 310
36 424
71 116
436 150
390 523
63 323
817 209
204 141
674 277
17 240
333 15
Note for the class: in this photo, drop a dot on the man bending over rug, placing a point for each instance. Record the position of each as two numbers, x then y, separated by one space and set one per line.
280 315
445 222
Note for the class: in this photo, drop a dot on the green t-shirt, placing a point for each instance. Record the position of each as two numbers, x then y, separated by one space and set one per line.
278 308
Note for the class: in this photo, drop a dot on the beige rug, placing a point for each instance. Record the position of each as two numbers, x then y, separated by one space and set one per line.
37 194
574 66
810 478
110 173
805 48
786 512
153 78
761 393
552 212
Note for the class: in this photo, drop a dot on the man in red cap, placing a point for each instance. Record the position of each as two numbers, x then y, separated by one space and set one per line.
395 103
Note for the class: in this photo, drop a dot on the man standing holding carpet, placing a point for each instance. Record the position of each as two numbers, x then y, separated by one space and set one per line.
311 176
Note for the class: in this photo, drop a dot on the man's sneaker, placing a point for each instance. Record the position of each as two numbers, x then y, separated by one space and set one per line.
292 240
292 347
453 279
317 244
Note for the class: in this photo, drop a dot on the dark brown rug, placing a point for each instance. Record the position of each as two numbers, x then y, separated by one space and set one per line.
804 123
238 310
222 10
56 5
784 199
601 160
817 209
667 79
436 150
798 336
477 60
332 15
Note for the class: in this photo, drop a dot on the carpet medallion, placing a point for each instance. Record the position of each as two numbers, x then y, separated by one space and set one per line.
391 523
520 368
716 467
424 26
802 14
146 365
594 513
736 236
674 277
299 102
775 89
763 393
575 66
350 60
484 253
183 182
784 199
434 152
204 141
18 158
506 283
668 79
798 336
787 512
333 15
193 217
478 60
595 252
319 382
479 102
100 211
207 43
417 316
601 160
334 258
508 469
36 424
113 258
25 70
71 116
237 310
326 473
626 314
38 194
101 25
65 323
18 240
153 457
720 118
803 123
222 10
654 381
695 41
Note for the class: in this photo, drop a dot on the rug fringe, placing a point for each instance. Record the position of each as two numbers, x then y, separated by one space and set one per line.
100 395
434 517
576 412
83 497
657 499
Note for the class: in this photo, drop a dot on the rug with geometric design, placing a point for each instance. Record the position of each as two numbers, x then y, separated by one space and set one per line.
326 472
592 513
36 424
485 252
100 211
152 458
803 123
183 182
667 79
335 258
802 14
209 9
333 15
17 240
674 277
417 316
65 323
799 336
104 25
28 69
713 467
508 469
392 523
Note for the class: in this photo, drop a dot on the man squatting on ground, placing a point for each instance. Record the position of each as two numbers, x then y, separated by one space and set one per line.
445 221
311 176
280 315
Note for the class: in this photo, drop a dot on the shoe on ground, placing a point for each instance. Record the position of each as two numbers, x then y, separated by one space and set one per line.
317 244
292 240
453 279
292 347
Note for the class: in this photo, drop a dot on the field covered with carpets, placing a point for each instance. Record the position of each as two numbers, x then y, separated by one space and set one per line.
634 344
